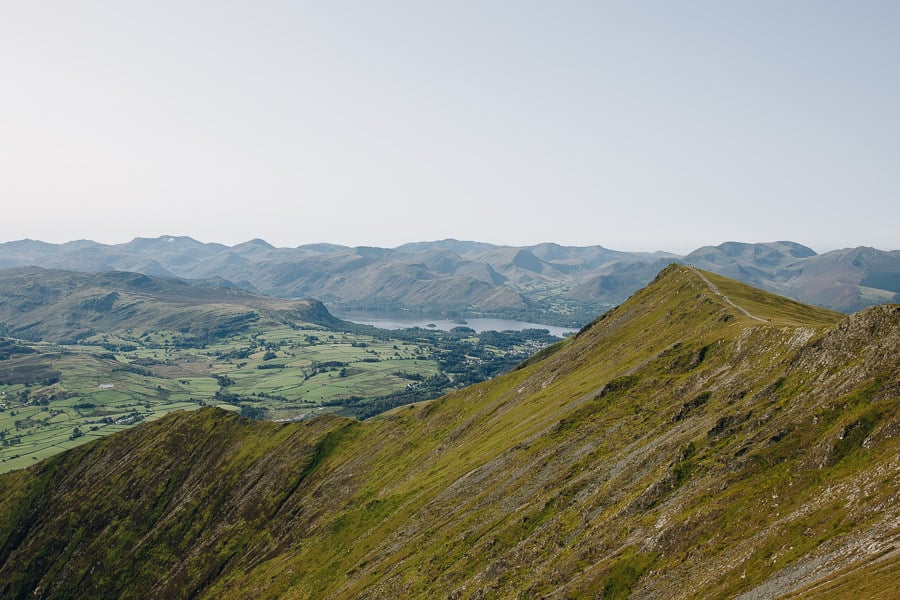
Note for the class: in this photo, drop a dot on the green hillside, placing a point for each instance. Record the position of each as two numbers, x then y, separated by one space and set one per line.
65 307
702 440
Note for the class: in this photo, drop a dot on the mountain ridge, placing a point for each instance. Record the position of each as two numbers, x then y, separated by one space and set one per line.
547 282
674 447
56 305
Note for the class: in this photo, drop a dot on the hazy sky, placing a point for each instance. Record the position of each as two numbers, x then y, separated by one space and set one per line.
637 125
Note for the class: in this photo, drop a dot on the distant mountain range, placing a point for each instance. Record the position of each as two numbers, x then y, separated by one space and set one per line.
547 283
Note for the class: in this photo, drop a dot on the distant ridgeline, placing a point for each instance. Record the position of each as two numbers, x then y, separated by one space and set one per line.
703 439
546 283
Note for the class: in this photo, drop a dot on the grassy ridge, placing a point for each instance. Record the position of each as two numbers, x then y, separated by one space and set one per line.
675 448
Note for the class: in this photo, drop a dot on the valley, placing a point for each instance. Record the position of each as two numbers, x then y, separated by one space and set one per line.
108 351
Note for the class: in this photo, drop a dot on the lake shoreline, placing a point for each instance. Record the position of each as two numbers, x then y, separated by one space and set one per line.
402 320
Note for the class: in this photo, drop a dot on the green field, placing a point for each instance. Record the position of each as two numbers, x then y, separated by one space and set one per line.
54 397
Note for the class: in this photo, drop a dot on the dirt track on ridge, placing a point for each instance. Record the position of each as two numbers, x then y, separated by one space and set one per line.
727 300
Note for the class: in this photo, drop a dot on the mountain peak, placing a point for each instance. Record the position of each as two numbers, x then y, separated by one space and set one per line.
257 242
684 288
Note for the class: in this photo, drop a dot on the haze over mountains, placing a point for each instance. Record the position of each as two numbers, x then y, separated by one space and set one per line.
704 439
546 283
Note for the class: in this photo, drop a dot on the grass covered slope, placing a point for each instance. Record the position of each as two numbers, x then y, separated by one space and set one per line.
704 439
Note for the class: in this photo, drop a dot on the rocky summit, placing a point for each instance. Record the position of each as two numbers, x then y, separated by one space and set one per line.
704 439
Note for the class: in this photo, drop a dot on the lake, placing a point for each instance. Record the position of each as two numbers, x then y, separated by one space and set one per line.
391 319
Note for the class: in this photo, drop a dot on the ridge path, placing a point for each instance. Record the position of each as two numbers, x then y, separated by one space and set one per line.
727 300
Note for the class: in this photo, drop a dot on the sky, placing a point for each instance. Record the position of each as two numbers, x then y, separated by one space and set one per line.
638 125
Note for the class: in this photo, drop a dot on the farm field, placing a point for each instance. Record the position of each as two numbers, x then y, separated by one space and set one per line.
56 396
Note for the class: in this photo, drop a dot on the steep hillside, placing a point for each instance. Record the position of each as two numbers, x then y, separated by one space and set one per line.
42 304
704 439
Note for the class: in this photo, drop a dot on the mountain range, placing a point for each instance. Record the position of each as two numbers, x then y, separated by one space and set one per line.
547 283
702 439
